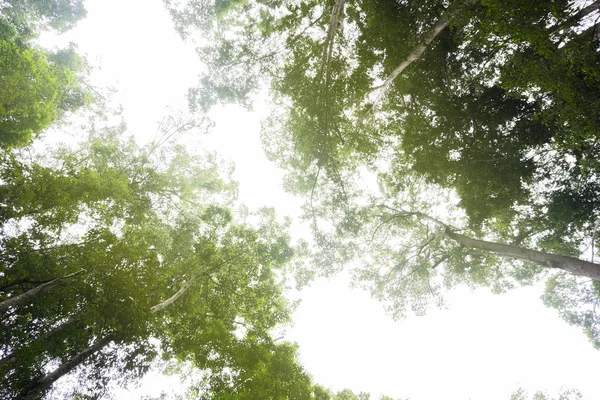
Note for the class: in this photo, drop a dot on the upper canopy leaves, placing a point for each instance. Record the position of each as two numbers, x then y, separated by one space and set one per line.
498 112
158 256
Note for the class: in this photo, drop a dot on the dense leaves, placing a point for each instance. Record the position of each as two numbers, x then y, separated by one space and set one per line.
481 115
38 86
142 250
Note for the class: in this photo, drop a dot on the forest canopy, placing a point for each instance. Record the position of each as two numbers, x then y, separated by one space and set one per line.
436 145
38 86
486 161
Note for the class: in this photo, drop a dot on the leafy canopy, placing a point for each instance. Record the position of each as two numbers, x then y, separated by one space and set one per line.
490 125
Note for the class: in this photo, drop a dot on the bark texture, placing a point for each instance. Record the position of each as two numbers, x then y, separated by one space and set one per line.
173 298
37 389
24 297
548 260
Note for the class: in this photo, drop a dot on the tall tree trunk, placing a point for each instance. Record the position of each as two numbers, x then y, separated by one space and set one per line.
41 386
548 260
173 298
336 12
24 297
37 388
48 338
417 51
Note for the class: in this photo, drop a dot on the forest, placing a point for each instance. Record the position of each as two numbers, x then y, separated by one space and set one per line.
434 145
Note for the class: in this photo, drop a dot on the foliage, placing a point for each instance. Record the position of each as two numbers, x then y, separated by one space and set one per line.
39 86
37 15
322 393
142 223
37 89
478 131
565 394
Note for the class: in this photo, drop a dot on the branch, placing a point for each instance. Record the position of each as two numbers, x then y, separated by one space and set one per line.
438 262
289 42
328 48
402 213
573 265
380 225
172 299
23 297
416 52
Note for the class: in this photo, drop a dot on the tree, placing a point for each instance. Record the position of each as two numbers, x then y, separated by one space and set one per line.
466 106
60 15
565 394
108 246
39 86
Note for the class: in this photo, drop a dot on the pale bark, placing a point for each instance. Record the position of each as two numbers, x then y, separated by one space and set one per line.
173 298
414 55
24 297
572 265
37 388
548 260
40 386
336 11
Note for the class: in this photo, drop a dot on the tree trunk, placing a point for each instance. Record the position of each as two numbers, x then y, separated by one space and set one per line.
418 50
37 388
41 386
173 298
336 11
24 297
548 260
49 338
414 55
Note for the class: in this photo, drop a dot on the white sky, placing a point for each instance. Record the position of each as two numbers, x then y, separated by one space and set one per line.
481 347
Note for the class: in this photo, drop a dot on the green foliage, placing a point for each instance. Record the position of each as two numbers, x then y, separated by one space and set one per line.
37 89
565 394
38 86
61 15
481 112
492 129
321 393
577 302
142 223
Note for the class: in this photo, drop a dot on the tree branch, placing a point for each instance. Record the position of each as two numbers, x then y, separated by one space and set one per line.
173 299
24 297
570 264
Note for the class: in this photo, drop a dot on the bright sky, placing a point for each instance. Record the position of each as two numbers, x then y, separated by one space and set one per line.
481 347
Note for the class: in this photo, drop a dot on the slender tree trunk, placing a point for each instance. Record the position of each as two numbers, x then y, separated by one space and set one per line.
48 339
41 386
336 11
172 299
37 388
414 55
548 260
24 297
417 51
